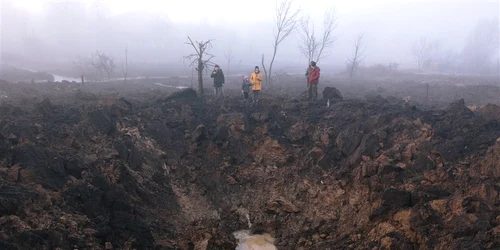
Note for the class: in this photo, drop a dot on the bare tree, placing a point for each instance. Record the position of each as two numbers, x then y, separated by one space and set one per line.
229 57
357 56
104 65
98 67
422 50
311 46
199 58
286 21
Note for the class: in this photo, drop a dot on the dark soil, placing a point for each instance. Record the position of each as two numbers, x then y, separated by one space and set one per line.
109 167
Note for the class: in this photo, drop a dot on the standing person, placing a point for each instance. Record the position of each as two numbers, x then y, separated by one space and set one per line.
308 73
312 87
218 77
245 87
256 80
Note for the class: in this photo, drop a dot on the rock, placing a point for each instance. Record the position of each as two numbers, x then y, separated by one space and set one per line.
431 193
108 153
459 109
186 94
260 116
376 99
13 139
45 107
40 166
387 243
5 145
316 153
202 245
13 174
396 198
231 180
380 211
235 122
332 94
221 134
14 199
348 141
160 132
490 111
102 121
369 169
108 246
275 205
288 207
200 133
299 131
490 167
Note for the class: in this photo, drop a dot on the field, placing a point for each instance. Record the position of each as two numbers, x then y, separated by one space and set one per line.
402 161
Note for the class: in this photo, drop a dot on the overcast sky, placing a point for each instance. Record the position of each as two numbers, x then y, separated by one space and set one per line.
389 26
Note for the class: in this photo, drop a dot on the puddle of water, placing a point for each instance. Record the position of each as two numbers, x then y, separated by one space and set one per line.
170 86
58 78
248 241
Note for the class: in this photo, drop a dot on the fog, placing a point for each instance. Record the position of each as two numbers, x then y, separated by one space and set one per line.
53 35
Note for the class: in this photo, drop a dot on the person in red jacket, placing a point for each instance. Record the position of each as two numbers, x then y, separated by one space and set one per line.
312 87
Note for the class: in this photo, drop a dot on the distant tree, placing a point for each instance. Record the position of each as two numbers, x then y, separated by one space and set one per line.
311 46
200 59
104 64
286 21
229 58
98 67
357 56
481 46
422 50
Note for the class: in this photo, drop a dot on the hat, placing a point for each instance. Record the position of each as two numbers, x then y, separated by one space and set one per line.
217 65
313 63
245 77
256 67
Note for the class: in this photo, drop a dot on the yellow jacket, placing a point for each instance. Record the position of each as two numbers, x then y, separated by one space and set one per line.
256 80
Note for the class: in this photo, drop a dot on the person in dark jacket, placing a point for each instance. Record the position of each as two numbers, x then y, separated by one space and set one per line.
312 87
219 79
245 87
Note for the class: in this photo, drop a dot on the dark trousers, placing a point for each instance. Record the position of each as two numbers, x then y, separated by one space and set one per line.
245 95
255 95
218 92
312 92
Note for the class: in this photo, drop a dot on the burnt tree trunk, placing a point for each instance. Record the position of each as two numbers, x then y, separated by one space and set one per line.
200 75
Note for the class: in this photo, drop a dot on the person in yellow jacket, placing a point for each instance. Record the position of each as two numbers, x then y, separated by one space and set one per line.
256 80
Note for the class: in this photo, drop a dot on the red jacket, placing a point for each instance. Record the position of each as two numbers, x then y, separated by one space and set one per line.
314 76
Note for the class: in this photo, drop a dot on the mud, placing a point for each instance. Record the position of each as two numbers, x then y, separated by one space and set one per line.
109 168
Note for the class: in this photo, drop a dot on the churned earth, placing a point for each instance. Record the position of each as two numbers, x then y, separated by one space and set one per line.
147 170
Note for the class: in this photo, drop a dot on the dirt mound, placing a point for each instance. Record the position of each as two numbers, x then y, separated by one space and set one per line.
332 94
125 172
185 94
490 111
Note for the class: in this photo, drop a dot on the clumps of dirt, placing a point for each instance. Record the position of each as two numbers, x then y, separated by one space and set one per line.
185 94
128 172
490 111
332 94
